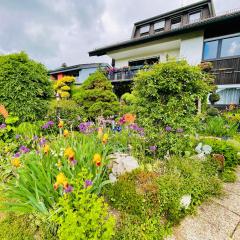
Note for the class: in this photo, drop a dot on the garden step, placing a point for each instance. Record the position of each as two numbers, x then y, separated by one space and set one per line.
218 219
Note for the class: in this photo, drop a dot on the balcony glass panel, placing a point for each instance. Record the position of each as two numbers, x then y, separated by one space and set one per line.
230 47
210 50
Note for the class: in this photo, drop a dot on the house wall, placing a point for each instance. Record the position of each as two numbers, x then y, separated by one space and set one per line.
192 48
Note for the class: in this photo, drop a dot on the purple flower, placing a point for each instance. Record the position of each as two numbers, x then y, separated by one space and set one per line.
73 162
45 126
85 127
118 128
153 148
88 183
17 155
168 128
24 149
2 126
50 123
35 138
17 136
68 189
122 120
179 130
42 141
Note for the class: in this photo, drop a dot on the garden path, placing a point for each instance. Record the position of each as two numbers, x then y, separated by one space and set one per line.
218 219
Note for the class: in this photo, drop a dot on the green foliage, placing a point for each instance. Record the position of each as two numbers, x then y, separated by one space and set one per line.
68 110
96 97
217 126
25 86
22 227
127 103
63 86
211 111
168 88
29 129
83 215
229 176
7 132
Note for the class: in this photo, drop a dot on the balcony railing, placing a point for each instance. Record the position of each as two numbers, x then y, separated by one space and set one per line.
123 74
226 71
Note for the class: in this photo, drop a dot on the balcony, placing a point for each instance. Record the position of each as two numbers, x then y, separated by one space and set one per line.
226 71
123 74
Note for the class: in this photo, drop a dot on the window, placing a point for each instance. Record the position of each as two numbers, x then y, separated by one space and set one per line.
176 23
194 17
142 62
230 47
159 26
210 50
144 30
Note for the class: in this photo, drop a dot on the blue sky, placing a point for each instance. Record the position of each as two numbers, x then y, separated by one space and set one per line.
57 31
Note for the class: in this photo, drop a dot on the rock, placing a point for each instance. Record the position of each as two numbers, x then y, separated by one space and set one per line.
186 201
198 149
200 156
207 149
120 164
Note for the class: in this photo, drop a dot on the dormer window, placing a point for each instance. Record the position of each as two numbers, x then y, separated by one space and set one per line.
144 30
176 23
159 26
194 17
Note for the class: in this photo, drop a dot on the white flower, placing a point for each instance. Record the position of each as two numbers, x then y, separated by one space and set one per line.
185 201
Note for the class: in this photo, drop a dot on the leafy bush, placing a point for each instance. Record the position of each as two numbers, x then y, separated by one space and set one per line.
96 97
168 88
127 103
82 215
25 86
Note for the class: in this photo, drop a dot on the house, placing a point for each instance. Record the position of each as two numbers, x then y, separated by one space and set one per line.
80 71
194 33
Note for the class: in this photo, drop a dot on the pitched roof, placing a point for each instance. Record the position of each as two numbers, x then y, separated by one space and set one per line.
150 38
78 67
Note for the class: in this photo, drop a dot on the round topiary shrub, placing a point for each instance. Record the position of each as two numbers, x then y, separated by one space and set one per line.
25 86
214 97
212 111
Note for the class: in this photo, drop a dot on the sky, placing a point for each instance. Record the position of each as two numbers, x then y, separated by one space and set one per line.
64 31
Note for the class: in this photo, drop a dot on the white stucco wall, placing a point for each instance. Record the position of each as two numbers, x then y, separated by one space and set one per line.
192 47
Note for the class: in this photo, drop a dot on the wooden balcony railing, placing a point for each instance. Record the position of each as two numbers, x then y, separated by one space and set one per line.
226 71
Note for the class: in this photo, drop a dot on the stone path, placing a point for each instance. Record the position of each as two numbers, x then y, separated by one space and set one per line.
218 219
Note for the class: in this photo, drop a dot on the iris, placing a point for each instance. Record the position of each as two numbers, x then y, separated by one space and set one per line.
168 128
24 149
88 183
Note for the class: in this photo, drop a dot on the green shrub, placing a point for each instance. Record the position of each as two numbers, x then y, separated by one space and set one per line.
166 96
96 97
25 86
211 111
229 176
63 86
83 215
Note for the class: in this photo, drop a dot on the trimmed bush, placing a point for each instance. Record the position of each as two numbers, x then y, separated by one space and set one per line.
96 97
25 86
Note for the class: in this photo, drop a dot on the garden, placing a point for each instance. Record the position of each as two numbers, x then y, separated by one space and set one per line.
78 163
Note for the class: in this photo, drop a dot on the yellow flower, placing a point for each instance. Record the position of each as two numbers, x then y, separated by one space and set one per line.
105 138
69 153
65 133
61 179
97 159
46 149
59 164
60 124
16 162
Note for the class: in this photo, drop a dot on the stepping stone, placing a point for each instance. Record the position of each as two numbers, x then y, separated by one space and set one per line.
236 235
233 187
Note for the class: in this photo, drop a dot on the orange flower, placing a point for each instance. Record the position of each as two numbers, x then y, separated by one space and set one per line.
60 124
3 111
100 132
16 162
129 118
65 133
97 159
